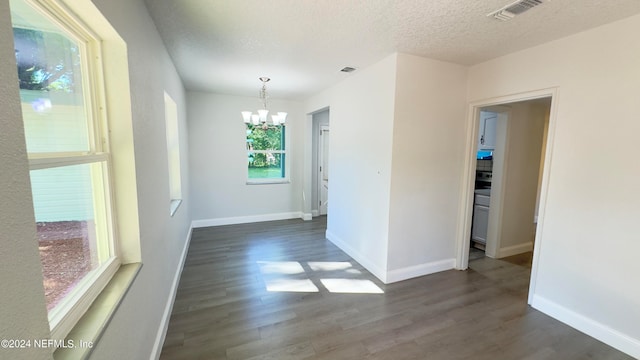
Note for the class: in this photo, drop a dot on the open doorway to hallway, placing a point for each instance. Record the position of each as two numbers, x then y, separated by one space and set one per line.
511 143
323 170
320 163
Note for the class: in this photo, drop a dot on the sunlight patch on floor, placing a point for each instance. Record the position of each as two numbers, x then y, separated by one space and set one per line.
351 286
338 277
329 265
280 267
290 285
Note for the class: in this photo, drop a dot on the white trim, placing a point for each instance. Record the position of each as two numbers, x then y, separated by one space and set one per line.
597 330
75 304
268 181
544 190
314 213
307 216
245 219
164 323
515 249
465 210
420 270
40 161
357 256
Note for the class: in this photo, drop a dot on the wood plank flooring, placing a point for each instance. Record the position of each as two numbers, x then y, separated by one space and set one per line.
279 290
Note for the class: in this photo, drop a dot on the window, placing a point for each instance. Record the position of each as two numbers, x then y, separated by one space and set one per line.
63 106
266 154
173 152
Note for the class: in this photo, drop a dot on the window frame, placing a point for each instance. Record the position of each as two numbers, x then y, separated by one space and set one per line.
72 307
287 161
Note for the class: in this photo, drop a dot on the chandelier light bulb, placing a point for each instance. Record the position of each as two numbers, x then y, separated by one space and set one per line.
246 116
282 116
263 114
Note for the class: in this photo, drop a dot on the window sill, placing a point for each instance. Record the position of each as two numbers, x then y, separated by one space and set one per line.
93 323
268 182
173 207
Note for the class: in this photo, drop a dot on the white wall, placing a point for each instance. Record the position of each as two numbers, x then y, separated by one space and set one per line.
23 313
520 183
396 162
587 242
218 162
428 155
360 157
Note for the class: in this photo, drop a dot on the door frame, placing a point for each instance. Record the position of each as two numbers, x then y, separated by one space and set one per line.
465 207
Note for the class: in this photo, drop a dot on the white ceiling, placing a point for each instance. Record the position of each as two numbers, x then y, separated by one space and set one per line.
224 46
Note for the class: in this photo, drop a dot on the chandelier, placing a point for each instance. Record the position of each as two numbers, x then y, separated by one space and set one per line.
261 117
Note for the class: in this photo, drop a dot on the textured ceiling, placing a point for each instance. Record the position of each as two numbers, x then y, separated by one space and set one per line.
223 46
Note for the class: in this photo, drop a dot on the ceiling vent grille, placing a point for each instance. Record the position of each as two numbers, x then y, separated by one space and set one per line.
510 11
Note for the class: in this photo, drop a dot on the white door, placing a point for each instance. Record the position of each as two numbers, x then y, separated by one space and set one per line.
323 171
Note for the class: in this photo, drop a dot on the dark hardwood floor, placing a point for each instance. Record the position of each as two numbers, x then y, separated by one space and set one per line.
279 290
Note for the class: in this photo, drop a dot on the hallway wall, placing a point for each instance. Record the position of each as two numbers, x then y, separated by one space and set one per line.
362 108
426 171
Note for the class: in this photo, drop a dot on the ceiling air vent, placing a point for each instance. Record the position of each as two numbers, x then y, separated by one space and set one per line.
510 11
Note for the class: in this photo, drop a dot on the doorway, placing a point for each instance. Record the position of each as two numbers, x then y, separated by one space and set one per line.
323 170
522 145
320 162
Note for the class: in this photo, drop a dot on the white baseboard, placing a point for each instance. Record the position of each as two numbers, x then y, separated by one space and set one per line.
315 213
589 326
164 323
357 256
307 216
420 270
388 277
515 249
246 219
